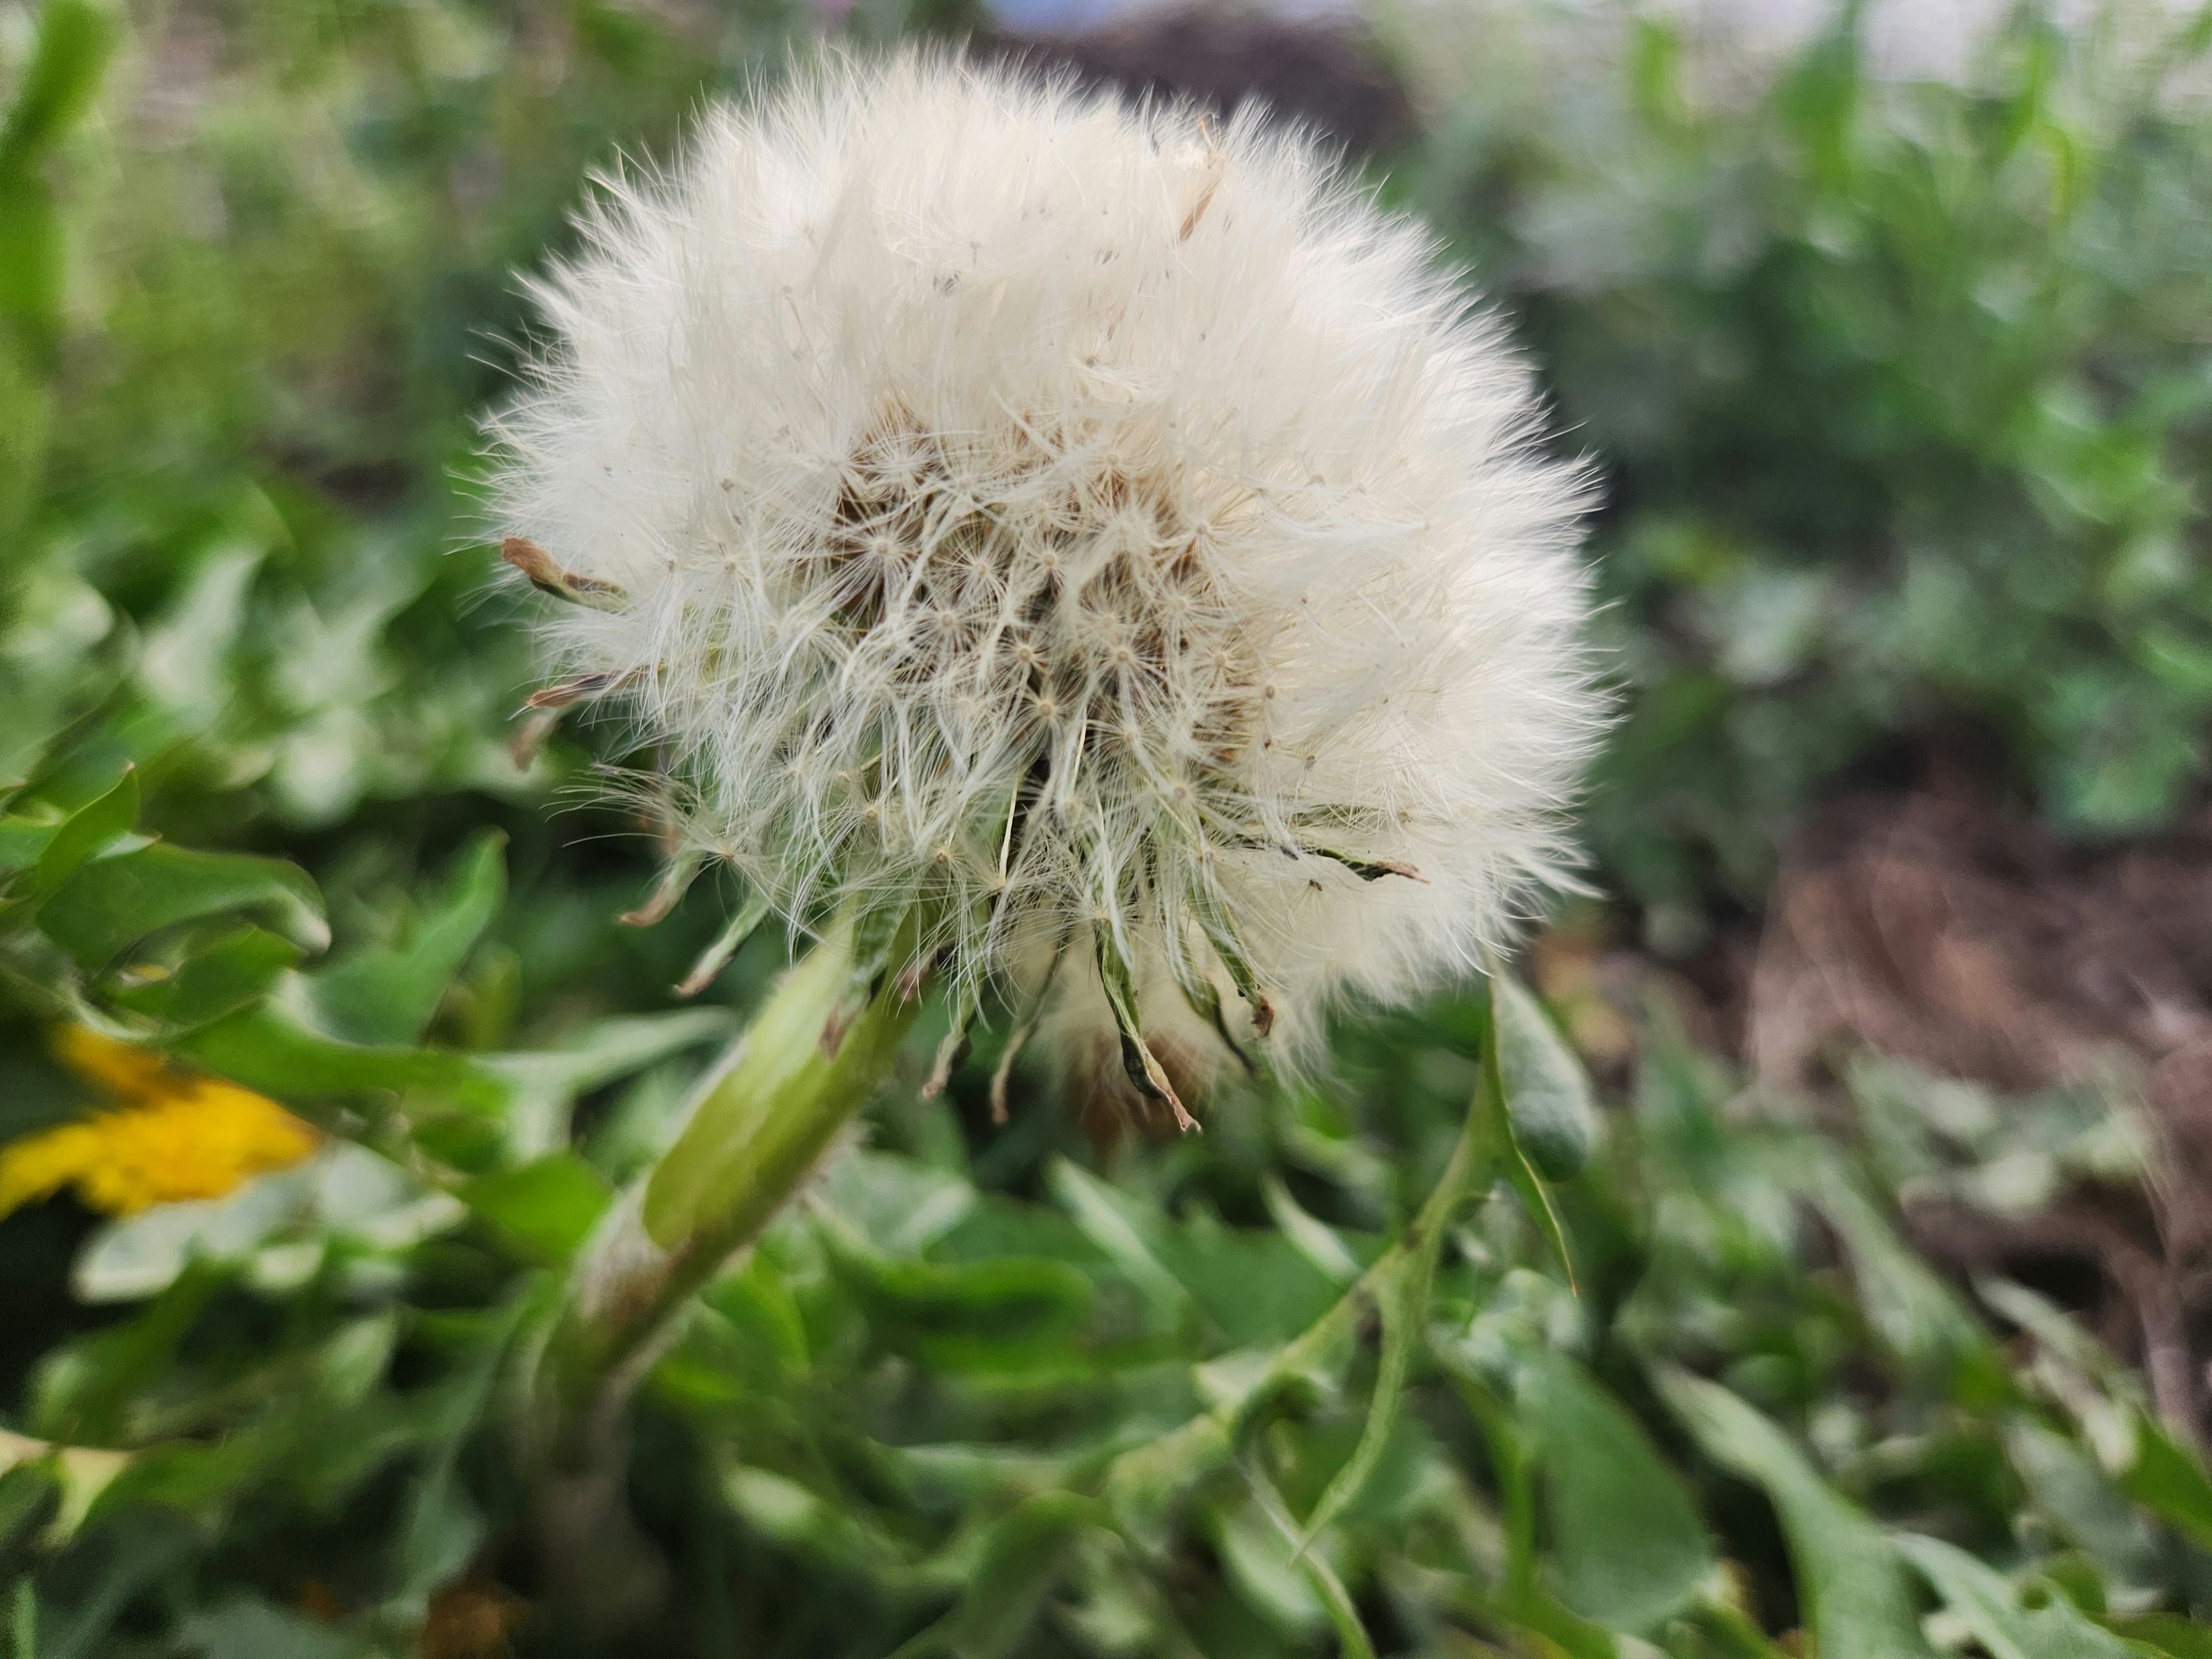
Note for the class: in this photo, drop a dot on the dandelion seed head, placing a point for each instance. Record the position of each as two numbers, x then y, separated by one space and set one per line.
1072 513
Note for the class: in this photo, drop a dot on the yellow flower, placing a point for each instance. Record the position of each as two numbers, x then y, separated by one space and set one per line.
170 1136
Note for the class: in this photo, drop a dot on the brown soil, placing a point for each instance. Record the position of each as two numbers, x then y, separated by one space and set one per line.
1938 930
1325 78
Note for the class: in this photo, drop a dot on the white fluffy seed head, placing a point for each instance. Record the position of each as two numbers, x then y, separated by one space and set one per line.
1078 517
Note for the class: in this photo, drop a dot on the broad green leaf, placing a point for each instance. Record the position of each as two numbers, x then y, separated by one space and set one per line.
23 1611
443 1529
1105 1218
387 994
25 1489
82 1391
757 1302
1553 1632
107 905
264 1048
2065 1480
225 977
1254 1285
1848 1578
1007 1296
88 831
550 1206
2169 1482
1313 1239
1627 1542
1547 1093
541 1085
902 1207
135 1550
1921 1317
21 841
1990 1606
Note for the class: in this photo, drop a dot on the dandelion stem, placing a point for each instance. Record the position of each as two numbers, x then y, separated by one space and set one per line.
759 1128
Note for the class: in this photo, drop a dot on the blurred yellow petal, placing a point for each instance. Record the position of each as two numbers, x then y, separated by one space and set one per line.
176 1138
127 1073
38 1166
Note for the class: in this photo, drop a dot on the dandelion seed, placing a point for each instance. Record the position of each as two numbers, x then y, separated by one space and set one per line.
1258 496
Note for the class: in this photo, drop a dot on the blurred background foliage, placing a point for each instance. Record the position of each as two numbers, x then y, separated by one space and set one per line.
1901 390
1896 383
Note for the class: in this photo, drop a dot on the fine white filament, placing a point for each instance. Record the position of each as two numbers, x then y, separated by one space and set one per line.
1085 516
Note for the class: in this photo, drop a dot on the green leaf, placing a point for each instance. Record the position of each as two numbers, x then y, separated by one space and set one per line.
263 1047
1989 1605
757 1301
234 972
88 831
781 1509
2166 1633
82 1389
1548 1094
1105 1218
23 1618
1912 1308
111 903
1401 1298
1317 1575
21 841
1848 1578
1009 1298
1630 1546
1497 1124
75 40
388 994
2066 1481
1312 1238
138 1552
542 1084
2169 1482
1017 1561
442 1524
548 1206
248 1627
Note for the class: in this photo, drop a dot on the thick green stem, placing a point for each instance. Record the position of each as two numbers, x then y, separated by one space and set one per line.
816 1050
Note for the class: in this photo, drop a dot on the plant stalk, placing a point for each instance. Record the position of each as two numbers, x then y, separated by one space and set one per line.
826 1037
